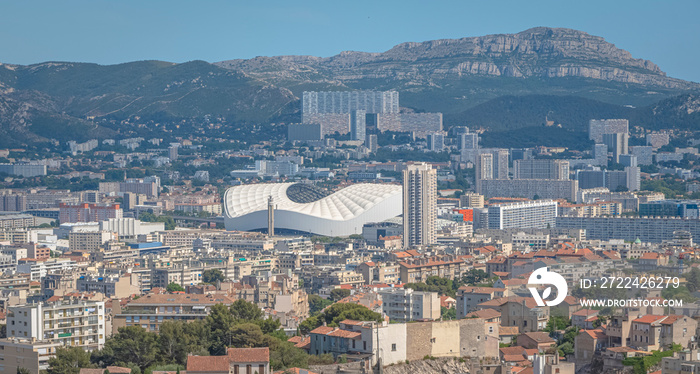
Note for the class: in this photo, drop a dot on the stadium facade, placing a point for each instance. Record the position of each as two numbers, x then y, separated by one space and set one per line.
304 208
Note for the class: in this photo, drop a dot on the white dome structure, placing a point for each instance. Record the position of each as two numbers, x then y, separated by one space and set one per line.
305 208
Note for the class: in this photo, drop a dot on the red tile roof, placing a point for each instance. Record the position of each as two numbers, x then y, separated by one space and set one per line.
484 313
322 330
596 334
206 364
649 318
248 354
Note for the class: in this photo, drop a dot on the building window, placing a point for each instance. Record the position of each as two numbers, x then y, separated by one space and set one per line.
393 347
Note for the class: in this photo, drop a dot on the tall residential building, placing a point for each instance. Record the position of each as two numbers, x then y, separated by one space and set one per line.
483 169
172 152
347 101
358 124
468 141
520 154
600 154
471 200
436 142
613 180
500 163
618 144
598 127
24 169
371 142
10 202
301 132
419 205
405 304
590 178
628 160
540 214
68 322
657 139
332 110
541 169
634 182
643 153
88 212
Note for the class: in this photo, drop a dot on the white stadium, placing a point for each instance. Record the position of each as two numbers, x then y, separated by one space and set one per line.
304 208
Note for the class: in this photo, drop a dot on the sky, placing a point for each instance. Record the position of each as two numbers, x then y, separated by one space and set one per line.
117 31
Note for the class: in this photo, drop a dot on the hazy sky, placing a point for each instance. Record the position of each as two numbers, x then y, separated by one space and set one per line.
108 32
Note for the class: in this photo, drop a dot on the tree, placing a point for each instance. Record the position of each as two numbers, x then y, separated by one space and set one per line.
23 371
174 287
247 335
219 324
317 303
286 355
212 276
132 344
448 314
245 311
599 322
174 342
339 293
338 312
269 325
474 276
69 361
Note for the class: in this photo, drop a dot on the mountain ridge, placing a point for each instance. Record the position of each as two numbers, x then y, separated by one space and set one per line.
553 69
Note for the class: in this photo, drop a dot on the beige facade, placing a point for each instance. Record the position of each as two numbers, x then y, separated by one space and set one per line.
419 269
419 205
26 353
521 312
151 310
83 241
405 304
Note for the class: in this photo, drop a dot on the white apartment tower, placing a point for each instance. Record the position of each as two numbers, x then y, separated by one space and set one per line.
67 322
419 205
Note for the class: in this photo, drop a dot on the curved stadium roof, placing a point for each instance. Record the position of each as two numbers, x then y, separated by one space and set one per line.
302 207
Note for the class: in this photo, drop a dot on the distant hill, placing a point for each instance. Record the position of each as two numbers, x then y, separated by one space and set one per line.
498 82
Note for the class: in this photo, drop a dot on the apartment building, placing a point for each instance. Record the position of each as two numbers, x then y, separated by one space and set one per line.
530 214
419 269
69 322
541 169
683 362
20 221
151 310
88 212
379 272
29 354
83 241
646 229
522 312
419 205
469 297
112 285
38 269
405 304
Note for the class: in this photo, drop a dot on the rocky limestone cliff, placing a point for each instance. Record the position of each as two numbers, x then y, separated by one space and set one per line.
538 52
